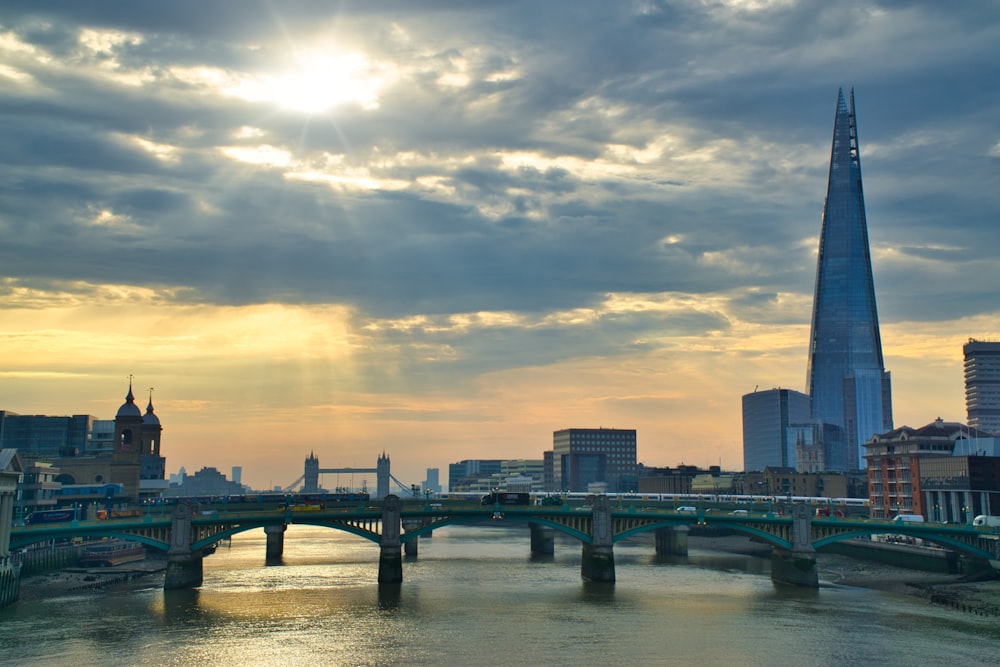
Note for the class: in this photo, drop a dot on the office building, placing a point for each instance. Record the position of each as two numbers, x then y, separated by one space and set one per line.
767 416
847 382
982 385
595 459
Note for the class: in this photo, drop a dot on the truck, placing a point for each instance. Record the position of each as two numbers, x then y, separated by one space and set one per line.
908 518
984 520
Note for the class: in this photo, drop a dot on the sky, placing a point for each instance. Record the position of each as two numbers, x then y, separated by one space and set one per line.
445 229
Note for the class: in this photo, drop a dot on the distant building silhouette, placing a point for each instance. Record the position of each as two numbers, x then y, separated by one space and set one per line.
848 385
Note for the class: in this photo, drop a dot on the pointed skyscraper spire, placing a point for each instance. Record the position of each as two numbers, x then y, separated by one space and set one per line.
848 385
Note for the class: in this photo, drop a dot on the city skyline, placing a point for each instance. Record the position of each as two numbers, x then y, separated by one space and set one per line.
447 231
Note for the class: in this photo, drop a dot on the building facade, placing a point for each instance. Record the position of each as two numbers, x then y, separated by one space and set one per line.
847 382
45 435
895 463
959 488
583 458
982 385
767 416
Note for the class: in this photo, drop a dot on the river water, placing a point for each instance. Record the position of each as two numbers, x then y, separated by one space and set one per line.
475 596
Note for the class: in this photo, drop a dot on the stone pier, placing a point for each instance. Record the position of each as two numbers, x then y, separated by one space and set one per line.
411 546
672 541
797 566
275 542
597 562
542 539
390 562
184 567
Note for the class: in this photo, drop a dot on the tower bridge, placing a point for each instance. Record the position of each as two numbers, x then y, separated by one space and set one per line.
309 481
397 525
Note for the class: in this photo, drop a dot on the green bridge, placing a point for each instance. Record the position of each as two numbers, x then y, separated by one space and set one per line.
396 526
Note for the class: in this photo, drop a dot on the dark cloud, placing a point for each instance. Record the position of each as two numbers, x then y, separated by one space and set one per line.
741 102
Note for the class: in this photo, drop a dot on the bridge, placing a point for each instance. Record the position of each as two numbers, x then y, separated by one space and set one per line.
396 526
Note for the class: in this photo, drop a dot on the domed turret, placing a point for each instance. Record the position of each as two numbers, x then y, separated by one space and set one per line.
150 419
129 408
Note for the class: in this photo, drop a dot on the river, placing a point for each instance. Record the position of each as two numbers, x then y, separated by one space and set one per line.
475 596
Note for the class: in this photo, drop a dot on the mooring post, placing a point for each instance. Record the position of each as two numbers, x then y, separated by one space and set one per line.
598 560
797 567
184 567
390 562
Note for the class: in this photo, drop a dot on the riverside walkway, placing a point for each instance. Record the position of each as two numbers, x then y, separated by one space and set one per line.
190 531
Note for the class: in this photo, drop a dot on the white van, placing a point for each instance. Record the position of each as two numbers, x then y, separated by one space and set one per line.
983 520
908 518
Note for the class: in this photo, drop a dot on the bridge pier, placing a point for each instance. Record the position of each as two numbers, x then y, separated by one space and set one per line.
412 546
672 541
542 539
184 567
597 561
390 561
275 541
796 566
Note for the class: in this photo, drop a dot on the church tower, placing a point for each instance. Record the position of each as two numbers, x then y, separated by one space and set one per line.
128 445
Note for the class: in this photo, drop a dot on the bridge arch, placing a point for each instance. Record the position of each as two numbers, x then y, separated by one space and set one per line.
452 520
750 531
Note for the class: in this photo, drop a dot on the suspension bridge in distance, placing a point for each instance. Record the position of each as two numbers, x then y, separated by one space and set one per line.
309 481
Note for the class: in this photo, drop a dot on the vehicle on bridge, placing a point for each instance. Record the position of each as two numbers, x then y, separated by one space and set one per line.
61 515
507 498
983 520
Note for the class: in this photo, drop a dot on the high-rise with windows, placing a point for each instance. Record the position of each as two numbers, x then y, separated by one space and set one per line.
848 385
767 416
982 385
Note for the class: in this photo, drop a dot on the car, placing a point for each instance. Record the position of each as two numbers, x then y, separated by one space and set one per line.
687 508
739 512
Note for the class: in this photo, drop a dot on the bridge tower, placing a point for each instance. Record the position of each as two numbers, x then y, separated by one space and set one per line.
382 476
310 479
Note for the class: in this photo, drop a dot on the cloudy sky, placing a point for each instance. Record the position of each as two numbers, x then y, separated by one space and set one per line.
445 229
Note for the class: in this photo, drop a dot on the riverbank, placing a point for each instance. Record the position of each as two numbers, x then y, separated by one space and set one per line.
63 582
947 590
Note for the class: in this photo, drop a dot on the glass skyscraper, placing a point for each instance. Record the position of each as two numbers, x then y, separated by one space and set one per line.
848 385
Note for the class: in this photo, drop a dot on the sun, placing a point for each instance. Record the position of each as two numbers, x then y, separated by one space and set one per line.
318 82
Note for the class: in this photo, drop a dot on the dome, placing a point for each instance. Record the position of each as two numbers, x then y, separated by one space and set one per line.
129 408
149 419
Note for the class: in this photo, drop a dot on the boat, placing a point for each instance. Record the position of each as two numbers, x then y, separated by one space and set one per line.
114 552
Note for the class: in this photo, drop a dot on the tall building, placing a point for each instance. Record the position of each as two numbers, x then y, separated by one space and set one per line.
982 385
848 385
586 457
767 416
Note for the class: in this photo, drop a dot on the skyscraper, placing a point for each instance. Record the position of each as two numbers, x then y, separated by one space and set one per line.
848 385
767 416
982 385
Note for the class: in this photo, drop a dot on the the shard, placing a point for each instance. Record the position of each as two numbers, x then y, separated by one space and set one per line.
848 385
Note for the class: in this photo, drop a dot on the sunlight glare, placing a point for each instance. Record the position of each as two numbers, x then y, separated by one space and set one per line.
320 82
